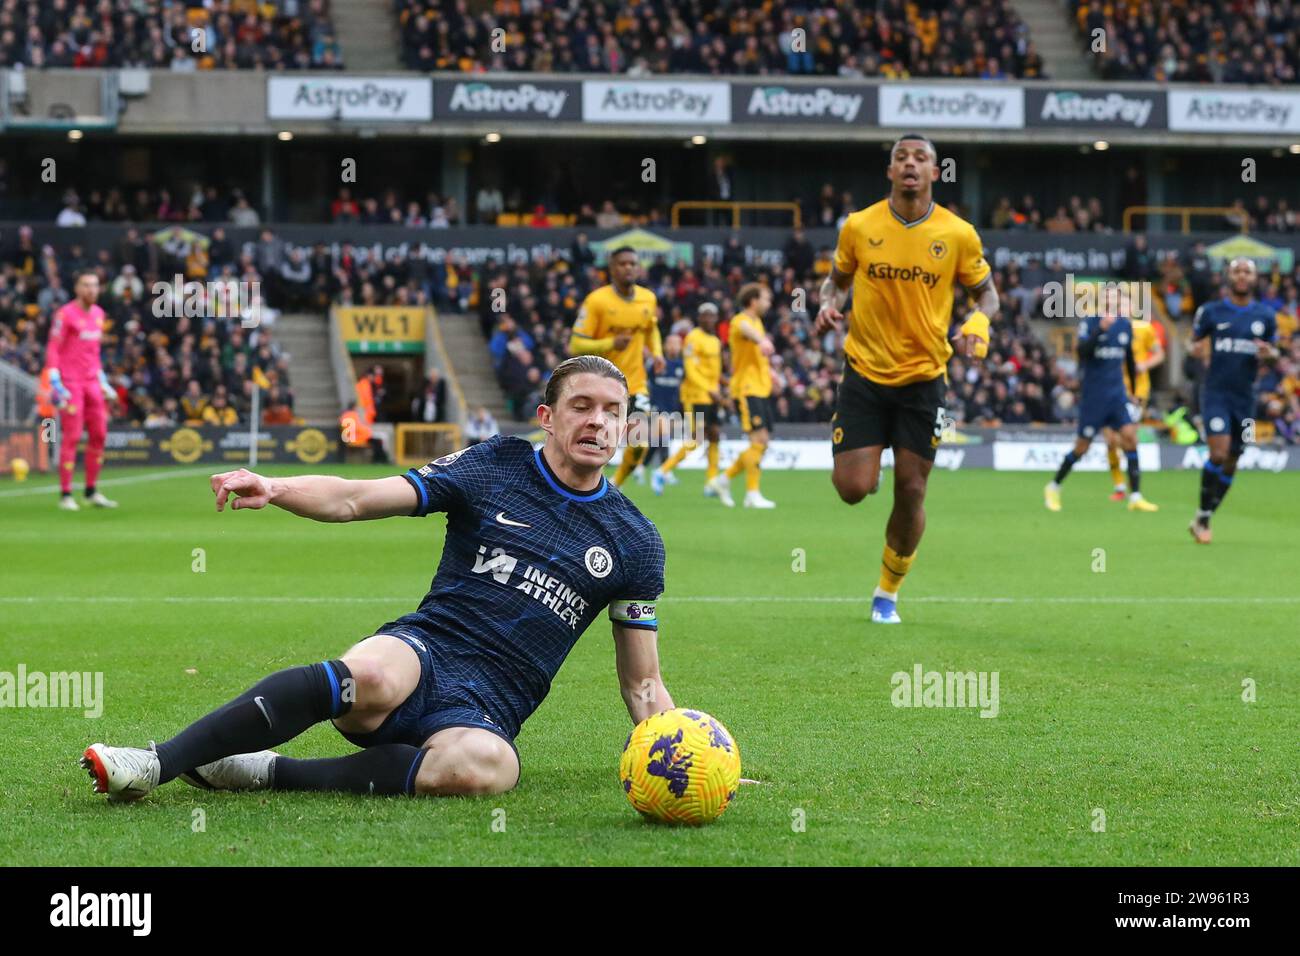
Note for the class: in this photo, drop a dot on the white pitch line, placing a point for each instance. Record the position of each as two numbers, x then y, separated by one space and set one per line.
686 599
130 480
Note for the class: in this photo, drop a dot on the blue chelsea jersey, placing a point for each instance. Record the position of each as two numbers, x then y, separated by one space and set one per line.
1233 331
529 563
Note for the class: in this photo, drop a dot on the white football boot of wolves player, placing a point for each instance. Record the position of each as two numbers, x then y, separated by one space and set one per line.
237 772
755 499
721 486
68 503
99 501
123 773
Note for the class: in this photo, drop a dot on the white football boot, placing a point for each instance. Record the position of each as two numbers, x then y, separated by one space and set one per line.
99 501
755 499
721 486
123 773
68 503
237 772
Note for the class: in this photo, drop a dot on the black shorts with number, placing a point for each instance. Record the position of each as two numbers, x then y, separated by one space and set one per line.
899 416
755 412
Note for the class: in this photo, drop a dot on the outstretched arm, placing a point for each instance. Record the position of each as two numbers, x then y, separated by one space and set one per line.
637 659
319 497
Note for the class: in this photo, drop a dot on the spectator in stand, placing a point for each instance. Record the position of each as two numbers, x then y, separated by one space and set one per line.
295 280
480 427
430 405
488 204
539 219
278 409
219 411
370 394
243 214
798 253
71 215
162 415
608 217
344 208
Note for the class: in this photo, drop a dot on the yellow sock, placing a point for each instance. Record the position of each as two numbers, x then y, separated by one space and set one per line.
631 458
754 454
893 568
1116 475
677 457
712 471
737 466
746 460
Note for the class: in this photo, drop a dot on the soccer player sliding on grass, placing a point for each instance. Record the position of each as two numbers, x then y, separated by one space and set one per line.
538 544
902 256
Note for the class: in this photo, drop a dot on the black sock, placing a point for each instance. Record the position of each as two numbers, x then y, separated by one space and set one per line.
65 494
383 771
90 490
1225 482
1066 464
1210 474
275 709
1134 472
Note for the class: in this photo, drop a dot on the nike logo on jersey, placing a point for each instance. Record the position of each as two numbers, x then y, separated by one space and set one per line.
1223 325
502 519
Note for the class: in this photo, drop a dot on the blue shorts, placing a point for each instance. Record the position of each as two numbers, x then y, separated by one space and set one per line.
432 706
1226 414
1111 413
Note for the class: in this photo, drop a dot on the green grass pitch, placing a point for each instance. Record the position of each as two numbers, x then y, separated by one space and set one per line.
1121 691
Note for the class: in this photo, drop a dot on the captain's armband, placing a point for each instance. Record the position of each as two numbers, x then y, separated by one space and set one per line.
634 614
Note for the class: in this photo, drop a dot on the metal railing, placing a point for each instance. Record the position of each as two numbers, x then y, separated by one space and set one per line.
17 395
436 354
735 208
1185 213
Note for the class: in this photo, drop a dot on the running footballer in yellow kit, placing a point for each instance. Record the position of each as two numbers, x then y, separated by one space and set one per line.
751 387
620 321
701 395
902 257
1148 353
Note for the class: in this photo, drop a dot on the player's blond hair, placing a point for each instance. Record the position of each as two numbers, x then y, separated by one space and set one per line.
577 365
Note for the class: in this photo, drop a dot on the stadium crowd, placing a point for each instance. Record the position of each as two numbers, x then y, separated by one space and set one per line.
167 371
892 38
1207 41
158 34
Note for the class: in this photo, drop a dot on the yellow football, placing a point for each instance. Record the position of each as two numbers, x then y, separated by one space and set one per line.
680 766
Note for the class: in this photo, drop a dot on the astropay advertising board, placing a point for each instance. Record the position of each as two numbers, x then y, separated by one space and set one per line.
826 103
649 101
1225 111
377 98
952 106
